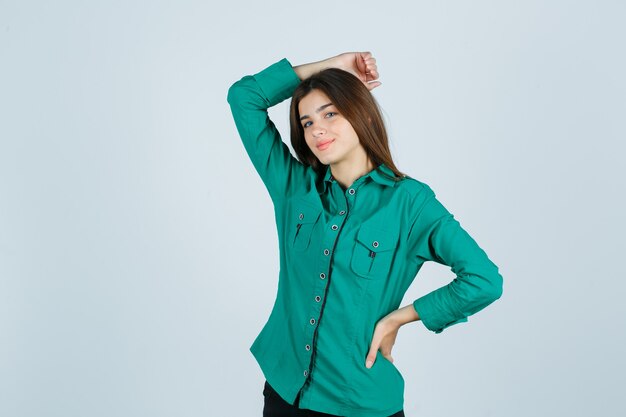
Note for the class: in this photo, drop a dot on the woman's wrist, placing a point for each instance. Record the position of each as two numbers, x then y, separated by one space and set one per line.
306 70
404 315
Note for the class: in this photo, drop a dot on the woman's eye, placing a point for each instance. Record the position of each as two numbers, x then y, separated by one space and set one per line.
306 124
331 112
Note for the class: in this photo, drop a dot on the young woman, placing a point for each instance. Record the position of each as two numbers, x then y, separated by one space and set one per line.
353 232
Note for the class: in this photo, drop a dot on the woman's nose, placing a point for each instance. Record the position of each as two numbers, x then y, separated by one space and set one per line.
319 130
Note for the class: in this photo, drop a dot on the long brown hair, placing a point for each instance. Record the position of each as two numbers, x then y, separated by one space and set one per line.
355 102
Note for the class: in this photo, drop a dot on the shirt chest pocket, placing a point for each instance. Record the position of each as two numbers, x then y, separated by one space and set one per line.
373 252
303 220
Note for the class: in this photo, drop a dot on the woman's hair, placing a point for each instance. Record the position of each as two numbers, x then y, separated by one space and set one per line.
355 102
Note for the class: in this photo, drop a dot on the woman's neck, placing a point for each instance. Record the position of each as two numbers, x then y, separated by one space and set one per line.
346 172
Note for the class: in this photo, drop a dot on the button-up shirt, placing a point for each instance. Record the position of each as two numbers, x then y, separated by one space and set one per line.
347 257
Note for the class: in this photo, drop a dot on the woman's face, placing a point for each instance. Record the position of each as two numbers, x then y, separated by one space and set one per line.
328 134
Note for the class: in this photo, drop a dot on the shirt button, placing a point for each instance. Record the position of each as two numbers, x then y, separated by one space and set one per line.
375 243
301 216
326 252
312 321
318 298
308 347
322 275
335 227
306 372
351 191
342 212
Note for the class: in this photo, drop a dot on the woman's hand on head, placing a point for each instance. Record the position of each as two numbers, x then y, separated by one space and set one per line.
362 65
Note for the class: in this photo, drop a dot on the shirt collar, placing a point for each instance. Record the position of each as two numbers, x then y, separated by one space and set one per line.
374 174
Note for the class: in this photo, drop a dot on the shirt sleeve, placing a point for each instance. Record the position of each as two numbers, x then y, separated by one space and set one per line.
249 99
438 236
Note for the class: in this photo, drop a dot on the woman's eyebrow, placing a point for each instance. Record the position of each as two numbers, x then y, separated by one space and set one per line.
306 116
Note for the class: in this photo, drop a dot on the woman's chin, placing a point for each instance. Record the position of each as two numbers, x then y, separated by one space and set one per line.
324 160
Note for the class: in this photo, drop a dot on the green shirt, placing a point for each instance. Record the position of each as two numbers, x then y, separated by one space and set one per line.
347 257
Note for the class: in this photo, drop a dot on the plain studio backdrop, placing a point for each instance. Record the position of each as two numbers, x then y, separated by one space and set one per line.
138 249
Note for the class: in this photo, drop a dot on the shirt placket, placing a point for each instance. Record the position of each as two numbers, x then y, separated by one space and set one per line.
324 268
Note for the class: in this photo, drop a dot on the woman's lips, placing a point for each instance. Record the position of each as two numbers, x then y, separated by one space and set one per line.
325 145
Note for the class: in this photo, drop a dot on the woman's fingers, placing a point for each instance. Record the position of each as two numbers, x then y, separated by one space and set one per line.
362 65
386 355
365 55
371 355
383 339
371 70
372 85
372 74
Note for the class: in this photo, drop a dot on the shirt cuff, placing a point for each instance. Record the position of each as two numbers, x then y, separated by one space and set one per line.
278 81
431 317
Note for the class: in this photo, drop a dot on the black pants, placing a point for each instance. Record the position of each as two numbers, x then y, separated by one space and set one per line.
275 406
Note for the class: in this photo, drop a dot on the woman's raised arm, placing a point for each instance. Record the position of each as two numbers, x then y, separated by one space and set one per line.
252 95
361 64
250 98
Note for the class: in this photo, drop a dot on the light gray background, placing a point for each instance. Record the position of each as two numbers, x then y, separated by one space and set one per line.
138 251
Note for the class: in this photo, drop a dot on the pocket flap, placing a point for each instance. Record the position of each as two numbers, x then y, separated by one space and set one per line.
375 239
